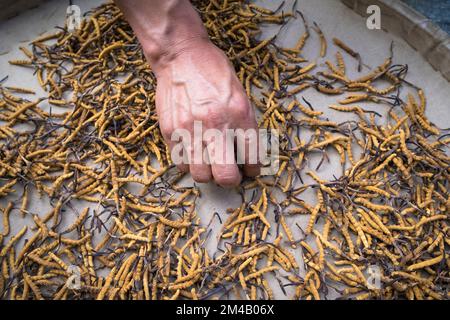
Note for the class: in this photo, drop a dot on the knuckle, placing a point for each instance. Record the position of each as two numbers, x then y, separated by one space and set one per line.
184 123
215 117
240 107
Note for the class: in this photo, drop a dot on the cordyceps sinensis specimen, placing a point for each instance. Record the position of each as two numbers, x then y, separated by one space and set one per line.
138 234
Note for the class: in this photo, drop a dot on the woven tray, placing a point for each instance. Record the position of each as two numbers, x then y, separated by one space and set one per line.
404 26
421 33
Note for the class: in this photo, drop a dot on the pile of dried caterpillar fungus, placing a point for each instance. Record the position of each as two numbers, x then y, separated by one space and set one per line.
96 134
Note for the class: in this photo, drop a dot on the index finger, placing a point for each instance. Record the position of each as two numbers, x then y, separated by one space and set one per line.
223 164
247 147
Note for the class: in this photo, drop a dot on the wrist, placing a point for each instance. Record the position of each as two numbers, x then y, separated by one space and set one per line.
159 57
164 27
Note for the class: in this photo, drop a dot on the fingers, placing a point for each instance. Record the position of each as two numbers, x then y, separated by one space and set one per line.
220 152
187 155
226 175
250 142
201 173
183 168
223 165
178 154
198 166
246 135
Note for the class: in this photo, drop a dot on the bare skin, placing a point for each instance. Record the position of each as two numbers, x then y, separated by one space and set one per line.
196 82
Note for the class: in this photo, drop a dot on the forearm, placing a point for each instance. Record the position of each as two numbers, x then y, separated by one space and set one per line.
196 83
163 27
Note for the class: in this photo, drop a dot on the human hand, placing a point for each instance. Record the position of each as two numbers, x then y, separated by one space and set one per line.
195 84
198 85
